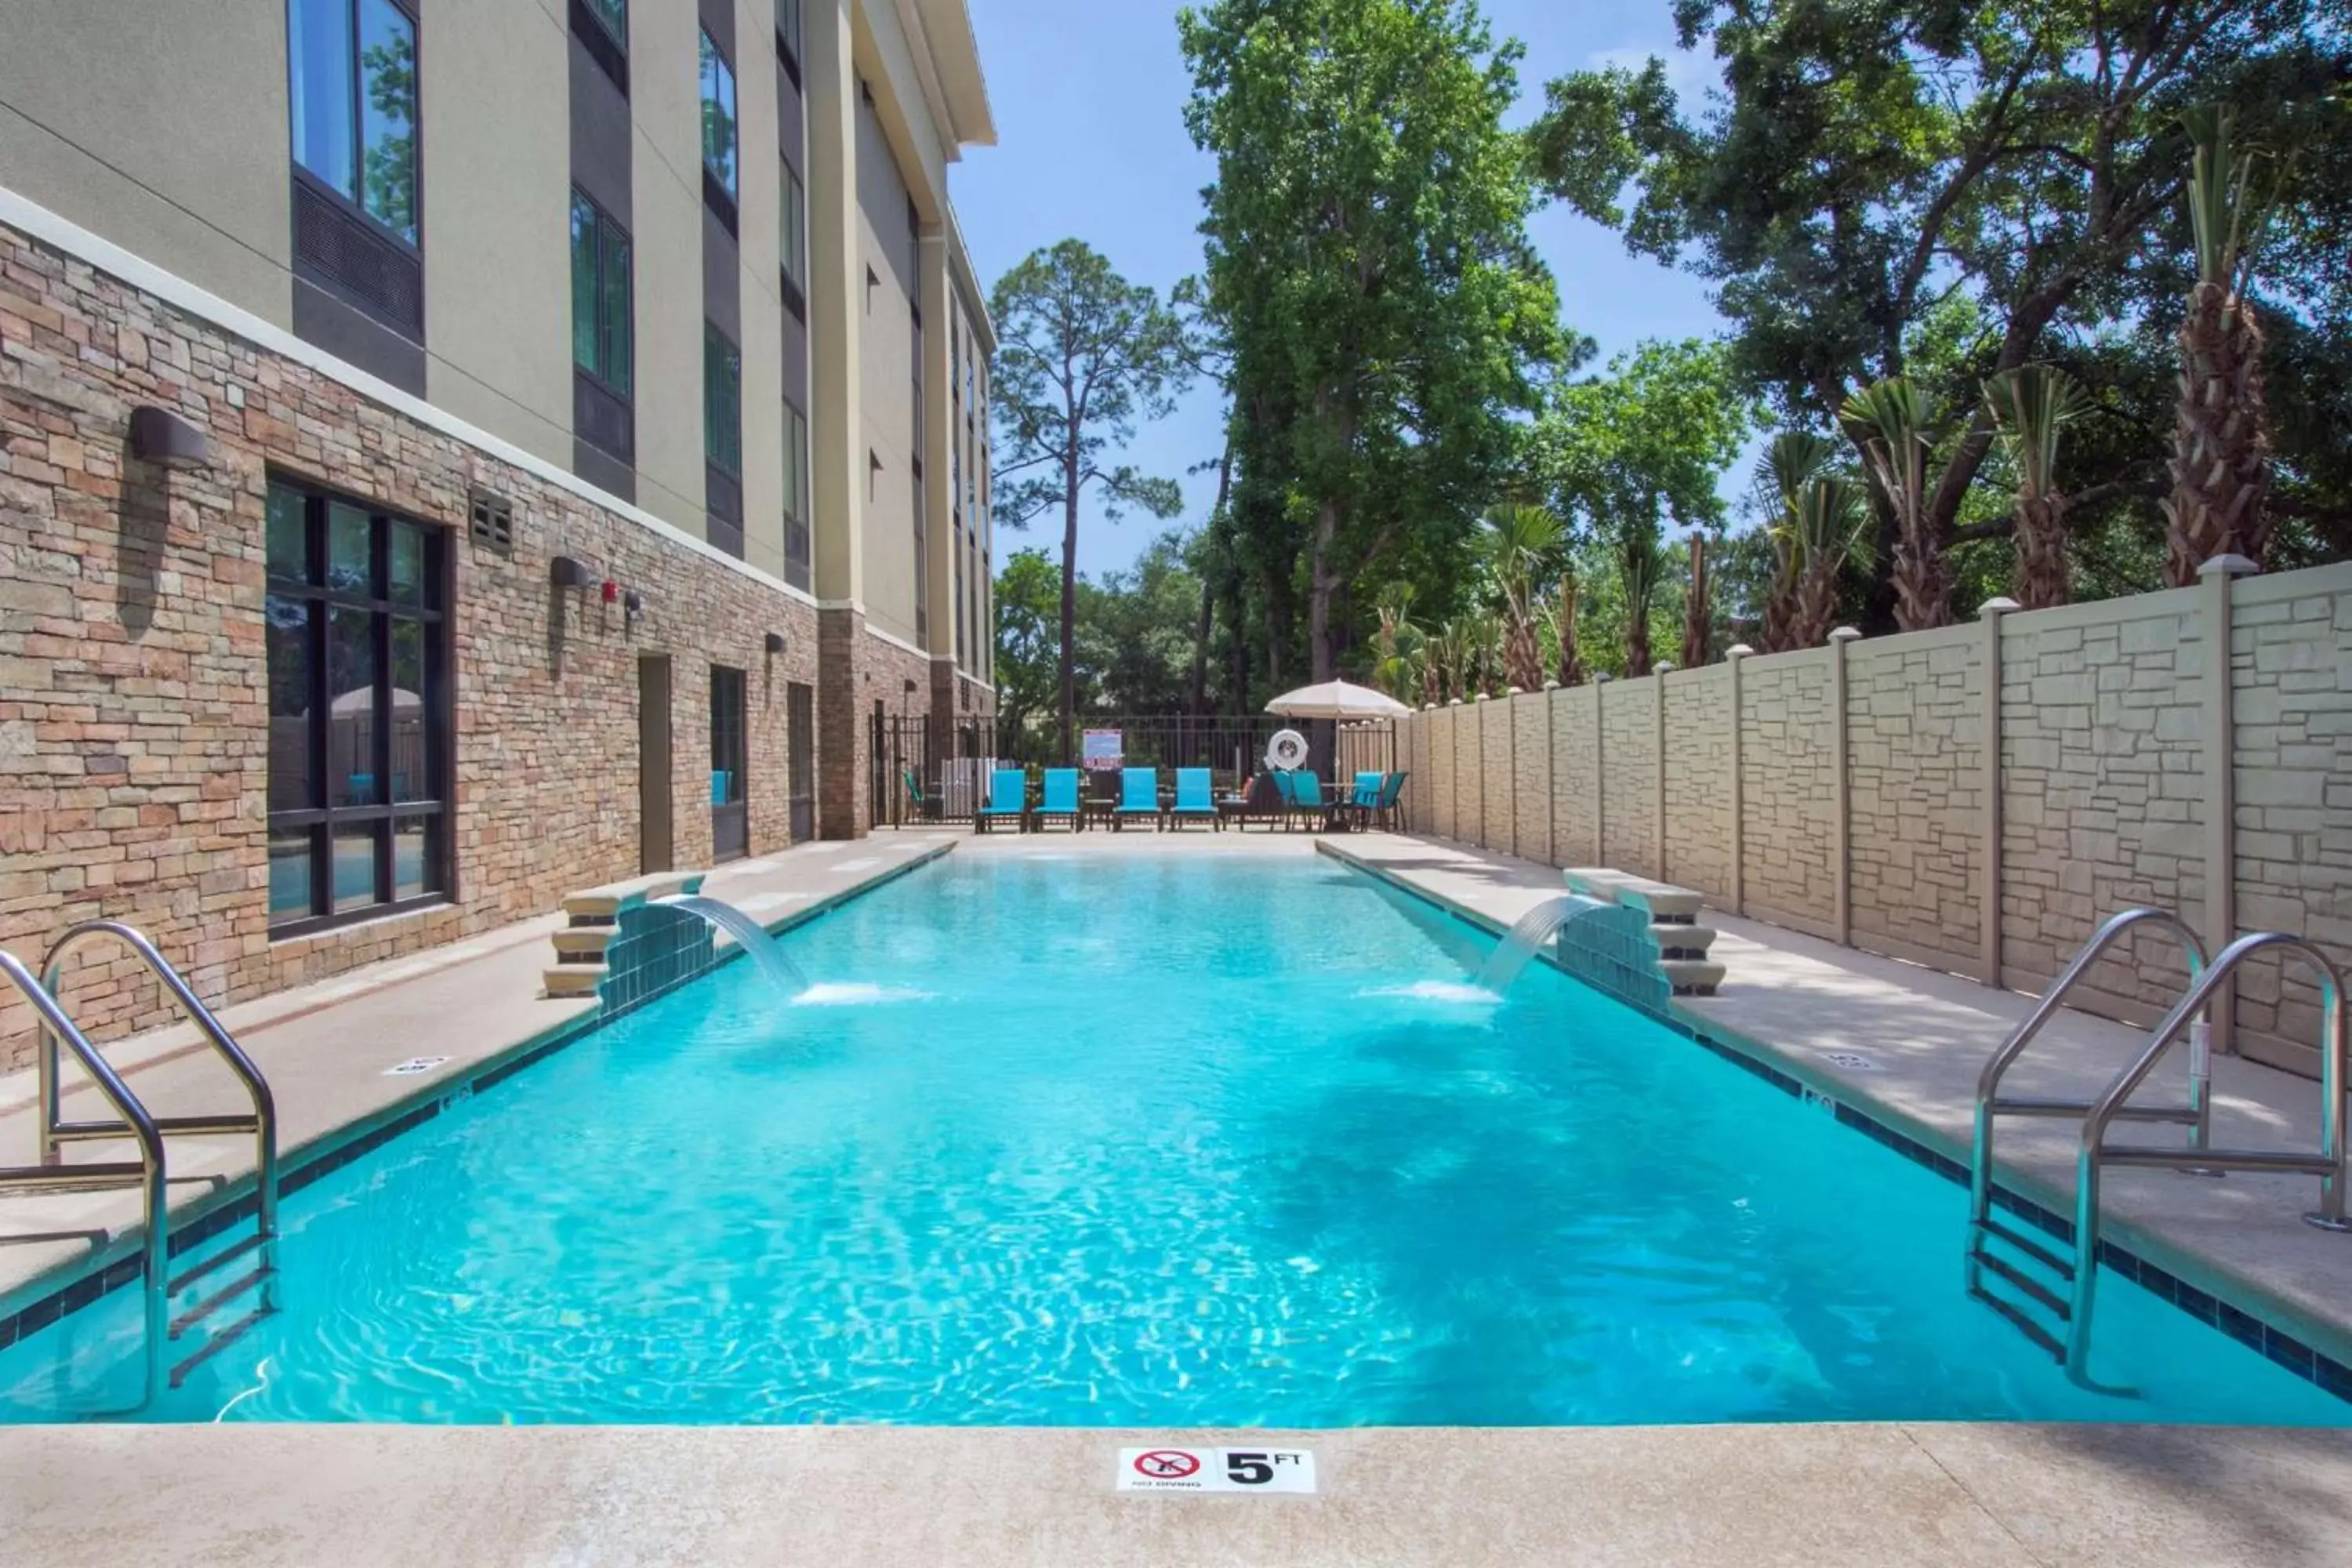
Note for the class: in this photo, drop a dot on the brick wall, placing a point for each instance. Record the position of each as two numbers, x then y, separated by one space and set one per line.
133 741
2112 773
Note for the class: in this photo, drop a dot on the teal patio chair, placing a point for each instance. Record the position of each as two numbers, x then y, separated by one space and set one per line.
1196 799
1307 800
1139 795
1060 800
1008 800
1389 810
1285 791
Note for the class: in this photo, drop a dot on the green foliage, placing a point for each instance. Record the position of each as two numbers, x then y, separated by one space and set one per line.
1368 269
1942 191
1028 638
1081 355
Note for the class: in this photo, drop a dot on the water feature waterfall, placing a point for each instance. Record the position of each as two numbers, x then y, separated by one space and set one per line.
748 934
1526 937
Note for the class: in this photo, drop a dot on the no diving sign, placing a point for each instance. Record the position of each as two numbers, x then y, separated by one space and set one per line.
1216 1471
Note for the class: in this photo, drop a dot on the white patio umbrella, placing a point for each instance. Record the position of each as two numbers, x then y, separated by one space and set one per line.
1338 700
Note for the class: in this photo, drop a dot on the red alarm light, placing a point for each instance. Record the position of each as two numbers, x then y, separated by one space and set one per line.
611 591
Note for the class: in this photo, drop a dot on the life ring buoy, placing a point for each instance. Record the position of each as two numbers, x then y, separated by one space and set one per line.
1286 750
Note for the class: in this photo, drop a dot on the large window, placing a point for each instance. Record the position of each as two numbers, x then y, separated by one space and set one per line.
358 651
793 244
722 400
718 131
601 341
351 77
796 498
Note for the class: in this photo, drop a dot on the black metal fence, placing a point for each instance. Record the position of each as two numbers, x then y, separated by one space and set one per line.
937 771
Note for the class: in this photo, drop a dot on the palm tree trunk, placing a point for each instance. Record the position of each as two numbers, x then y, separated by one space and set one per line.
1695 617
2042 583
1572 669
2220 448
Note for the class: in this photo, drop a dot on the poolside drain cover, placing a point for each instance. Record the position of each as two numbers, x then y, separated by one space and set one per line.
413 1066
1849 1061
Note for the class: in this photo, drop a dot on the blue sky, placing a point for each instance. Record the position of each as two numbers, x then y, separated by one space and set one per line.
1089 98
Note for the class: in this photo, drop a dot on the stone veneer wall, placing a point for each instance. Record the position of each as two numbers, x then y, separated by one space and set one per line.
1914 744
1629 749
133 745
1495 775
1698 779
2118 784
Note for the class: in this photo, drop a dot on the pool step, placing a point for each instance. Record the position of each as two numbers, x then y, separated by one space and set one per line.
1683 945
593 917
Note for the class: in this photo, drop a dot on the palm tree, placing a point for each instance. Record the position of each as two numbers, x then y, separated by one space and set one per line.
2220 438
1831 526
1450 650
1562 612
1894 423
2030 406
1641 563
1483 656
1521 542
1697 614
1794 460
1393 671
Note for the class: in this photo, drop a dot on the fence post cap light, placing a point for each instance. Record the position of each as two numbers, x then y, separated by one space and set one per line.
1999 604
1845 634
1665 667
2228 566
1737 650
160 437
1551 686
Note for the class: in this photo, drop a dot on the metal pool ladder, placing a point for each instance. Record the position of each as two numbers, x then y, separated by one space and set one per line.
148 1173
2069 1341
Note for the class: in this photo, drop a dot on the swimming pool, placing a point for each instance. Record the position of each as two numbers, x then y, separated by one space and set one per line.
1165 1140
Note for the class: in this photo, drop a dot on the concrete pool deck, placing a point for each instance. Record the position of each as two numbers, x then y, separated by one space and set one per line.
1818 1496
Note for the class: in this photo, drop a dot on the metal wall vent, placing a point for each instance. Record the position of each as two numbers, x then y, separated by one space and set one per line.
346 251
492 521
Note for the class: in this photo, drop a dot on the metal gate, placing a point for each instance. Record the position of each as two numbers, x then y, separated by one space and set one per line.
927 769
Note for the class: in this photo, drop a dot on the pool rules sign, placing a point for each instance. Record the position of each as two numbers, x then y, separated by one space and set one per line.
1216 1469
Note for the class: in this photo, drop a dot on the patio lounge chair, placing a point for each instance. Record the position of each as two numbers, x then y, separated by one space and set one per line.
1307 800
1373 802
1262 801
1139 796
1196 801
1008 800
1060 800
1389 811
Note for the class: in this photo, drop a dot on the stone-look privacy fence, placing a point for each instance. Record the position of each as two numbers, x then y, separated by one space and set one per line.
1976 798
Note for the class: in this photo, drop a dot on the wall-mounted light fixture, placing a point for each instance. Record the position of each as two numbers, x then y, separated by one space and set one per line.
566 573
775 642
633 605
160 437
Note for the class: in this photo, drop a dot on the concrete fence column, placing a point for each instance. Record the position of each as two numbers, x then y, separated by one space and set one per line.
1599 777
1988 886
2218 748
1658 800
1737 835
1842 788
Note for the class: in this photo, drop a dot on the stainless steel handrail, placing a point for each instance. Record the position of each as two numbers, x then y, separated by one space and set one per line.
137 1125
2198 1113
262 1124
2327 1165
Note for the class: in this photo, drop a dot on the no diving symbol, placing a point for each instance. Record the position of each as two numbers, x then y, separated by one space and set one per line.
1166 1464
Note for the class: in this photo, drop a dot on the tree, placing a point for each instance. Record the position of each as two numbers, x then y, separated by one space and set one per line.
2220 441
1563 625
1136 631
1625 452
1521 544
1831 524
1893 423
1869 165
2031 407
1081 355
1369 266
1794 460
1027 644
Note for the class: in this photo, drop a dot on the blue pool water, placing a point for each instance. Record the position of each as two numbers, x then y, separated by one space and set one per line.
1162 1141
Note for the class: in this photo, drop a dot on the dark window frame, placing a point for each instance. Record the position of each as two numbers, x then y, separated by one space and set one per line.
601 372
356 205
436 612
794 288
789 45
720 196
609 50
